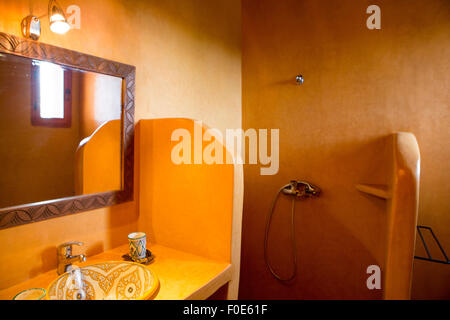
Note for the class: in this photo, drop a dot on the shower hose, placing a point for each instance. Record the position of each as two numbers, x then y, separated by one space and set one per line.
294 243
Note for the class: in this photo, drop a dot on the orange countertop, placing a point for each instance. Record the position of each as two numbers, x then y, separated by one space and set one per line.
181 275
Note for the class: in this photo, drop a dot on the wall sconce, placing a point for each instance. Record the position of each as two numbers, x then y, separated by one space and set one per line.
58 21
31 25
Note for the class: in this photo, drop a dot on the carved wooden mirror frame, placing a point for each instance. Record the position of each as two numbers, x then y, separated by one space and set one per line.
28 213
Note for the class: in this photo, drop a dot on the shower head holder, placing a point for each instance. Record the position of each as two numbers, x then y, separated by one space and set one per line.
301 189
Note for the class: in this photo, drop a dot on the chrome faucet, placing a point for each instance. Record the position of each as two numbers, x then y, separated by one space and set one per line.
65 258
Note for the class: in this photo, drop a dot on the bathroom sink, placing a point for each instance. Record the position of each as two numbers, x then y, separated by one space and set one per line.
112 280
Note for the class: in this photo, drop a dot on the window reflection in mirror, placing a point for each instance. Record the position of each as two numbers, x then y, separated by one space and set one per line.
60 132
51 94
51 91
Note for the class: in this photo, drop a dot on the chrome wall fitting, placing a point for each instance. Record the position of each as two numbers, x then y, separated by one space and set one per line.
298 190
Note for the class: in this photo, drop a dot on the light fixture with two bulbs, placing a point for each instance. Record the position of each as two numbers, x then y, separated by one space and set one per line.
31 25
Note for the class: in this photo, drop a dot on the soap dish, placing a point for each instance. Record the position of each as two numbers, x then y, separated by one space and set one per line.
149 258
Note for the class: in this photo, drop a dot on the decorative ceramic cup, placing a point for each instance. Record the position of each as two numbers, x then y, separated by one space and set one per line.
138 245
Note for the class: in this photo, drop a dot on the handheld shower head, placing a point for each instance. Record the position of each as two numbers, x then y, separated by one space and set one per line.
299 189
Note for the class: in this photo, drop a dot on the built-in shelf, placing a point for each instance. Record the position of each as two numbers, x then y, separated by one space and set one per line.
400 161
378 190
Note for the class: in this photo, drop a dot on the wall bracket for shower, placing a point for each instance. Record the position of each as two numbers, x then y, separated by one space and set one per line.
430 258
300 189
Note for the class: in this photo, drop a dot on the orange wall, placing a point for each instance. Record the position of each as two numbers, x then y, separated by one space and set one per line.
188 207
187 55
98 160
360 85
100 101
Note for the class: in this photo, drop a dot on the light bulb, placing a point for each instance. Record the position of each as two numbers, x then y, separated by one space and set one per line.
59 27
58 22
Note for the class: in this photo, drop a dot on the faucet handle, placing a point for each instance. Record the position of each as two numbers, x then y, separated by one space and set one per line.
65 248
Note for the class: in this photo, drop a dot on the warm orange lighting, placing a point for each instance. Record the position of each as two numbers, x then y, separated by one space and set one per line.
58 22
59 27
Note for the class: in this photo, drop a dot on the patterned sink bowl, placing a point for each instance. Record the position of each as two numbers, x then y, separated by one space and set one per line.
113 280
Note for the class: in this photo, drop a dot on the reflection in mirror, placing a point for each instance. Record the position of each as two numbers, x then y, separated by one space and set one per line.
60 132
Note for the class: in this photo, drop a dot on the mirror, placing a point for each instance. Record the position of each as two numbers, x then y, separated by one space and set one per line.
60 131
62 136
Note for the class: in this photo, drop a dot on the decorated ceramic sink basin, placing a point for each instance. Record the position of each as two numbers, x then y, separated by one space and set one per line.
112 280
